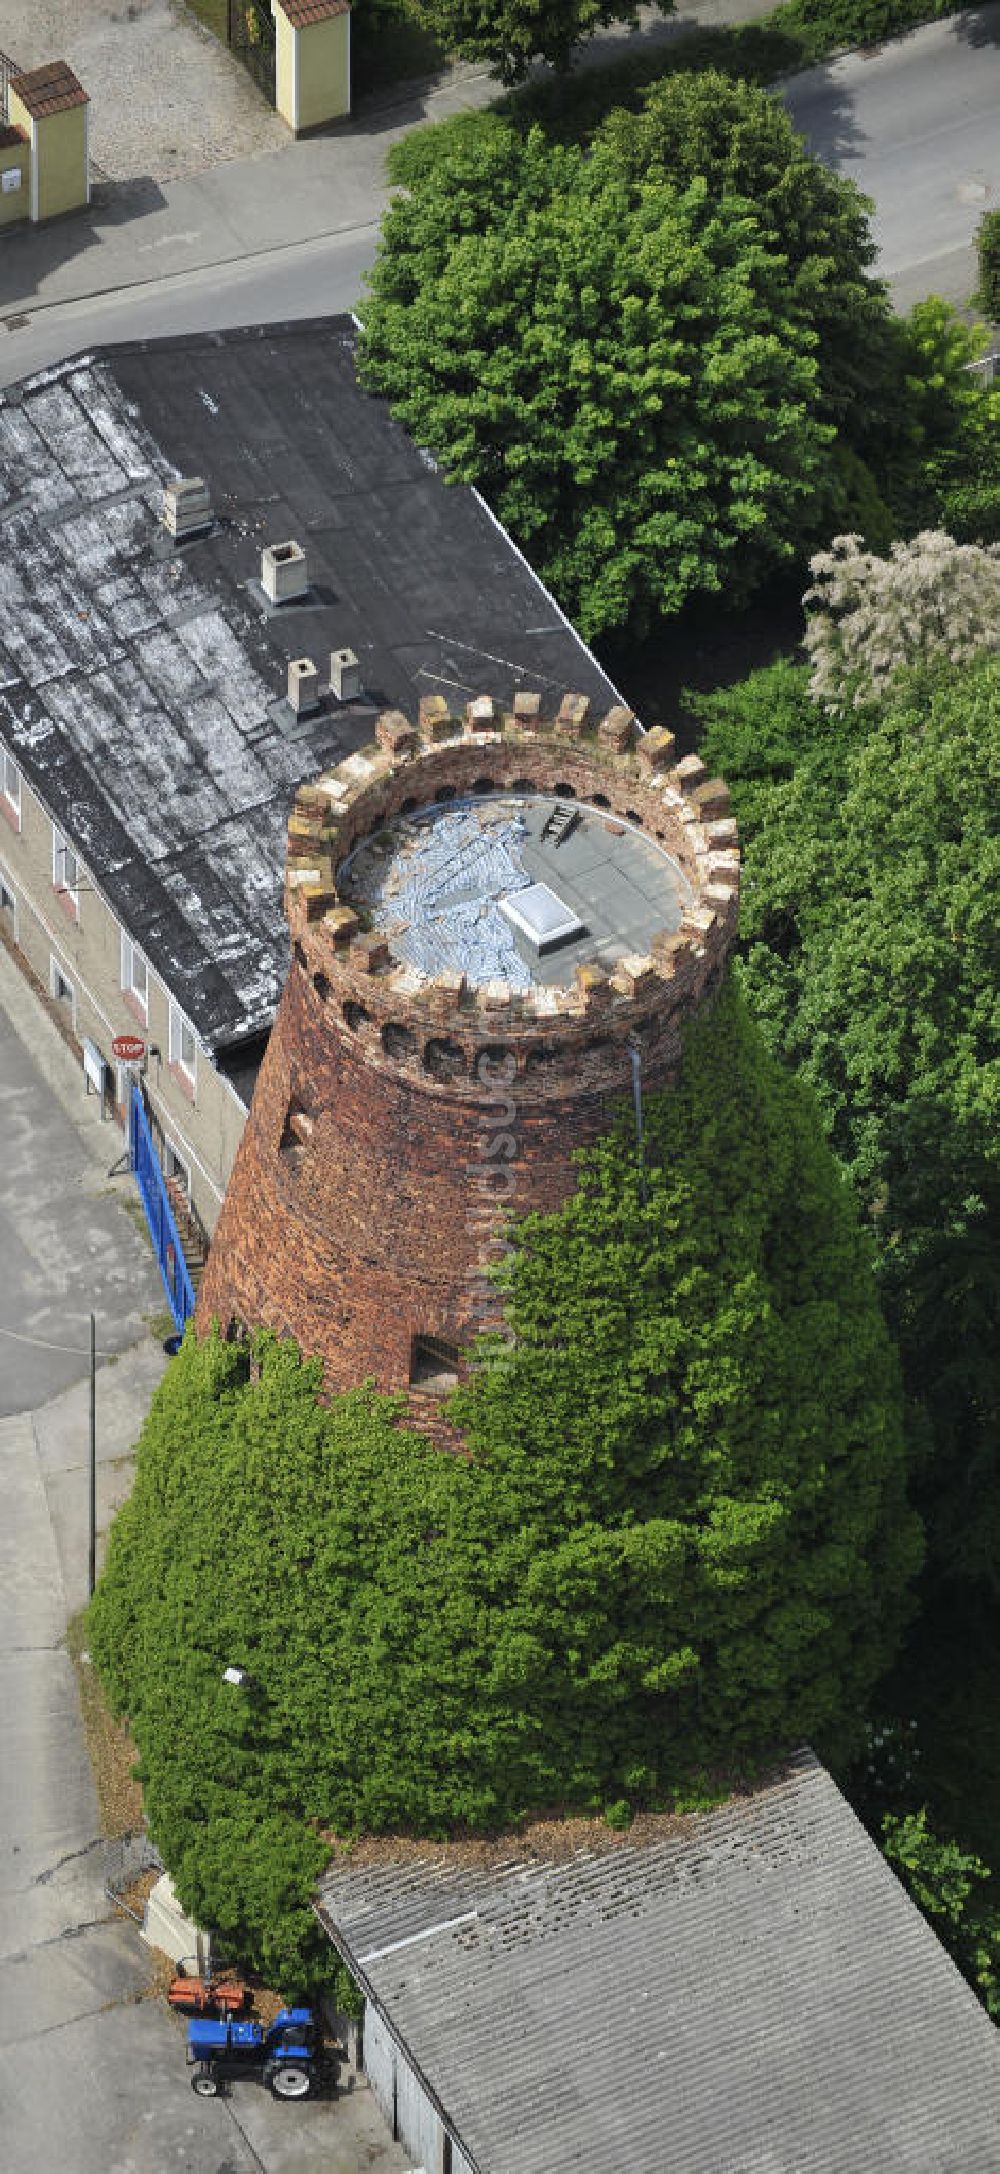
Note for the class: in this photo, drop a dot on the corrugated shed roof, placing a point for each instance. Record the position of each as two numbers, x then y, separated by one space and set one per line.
142 689
754 1995
50 89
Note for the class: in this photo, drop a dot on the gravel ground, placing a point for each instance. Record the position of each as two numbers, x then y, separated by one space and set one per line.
166 99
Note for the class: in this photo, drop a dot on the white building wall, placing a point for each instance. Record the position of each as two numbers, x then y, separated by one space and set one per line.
408 2112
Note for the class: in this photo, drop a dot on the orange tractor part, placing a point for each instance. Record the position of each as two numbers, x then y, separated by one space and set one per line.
218 1995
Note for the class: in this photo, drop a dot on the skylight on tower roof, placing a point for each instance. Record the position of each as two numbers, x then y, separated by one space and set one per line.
541 916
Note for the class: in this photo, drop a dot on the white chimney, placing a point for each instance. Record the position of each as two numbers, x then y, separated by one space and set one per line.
283 572
345 675
187 508
303 686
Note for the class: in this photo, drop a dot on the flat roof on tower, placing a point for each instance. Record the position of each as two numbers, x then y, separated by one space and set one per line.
518 887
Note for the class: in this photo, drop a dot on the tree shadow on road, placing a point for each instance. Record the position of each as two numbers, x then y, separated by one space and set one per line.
980 26
823 110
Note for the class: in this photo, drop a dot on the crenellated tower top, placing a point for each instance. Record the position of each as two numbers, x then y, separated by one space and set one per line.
657 829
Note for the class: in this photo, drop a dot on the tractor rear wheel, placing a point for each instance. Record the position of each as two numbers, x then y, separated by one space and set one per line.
205 2081
289 2080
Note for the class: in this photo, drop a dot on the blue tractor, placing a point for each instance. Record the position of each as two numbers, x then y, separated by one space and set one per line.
286 2056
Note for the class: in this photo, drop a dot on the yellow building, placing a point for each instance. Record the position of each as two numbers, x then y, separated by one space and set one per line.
48 112
312 61
15 175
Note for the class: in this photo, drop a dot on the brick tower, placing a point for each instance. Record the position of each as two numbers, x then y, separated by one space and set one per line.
499 922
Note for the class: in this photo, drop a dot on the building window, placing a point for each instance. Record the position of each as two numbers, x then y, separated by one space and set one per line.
10 790
61 988
175 1169
135 977
183 1048
65 873
8 907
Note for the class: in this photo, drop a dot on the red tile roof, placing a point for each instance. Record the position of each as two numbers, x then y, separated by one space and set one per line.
300 13
52 89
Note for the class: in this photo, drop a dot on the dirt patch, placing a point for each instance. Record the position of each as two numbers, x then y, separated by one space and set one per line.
165 97
110 1747
553 1840
545 1841
135 1896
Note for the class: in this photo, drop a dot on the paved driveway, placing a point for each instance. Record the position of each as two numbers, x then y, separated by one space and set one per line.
92 2072
165 97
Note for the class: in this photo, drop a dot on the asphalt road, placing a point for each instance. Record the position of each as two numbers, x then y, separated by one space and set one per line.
917 127
307 279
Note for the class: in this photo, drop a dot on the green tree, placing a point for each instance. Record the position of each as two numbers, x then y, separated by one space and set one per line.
946 472
510 34
680 1542
669 370
988 254
872 862
947 1883
740 141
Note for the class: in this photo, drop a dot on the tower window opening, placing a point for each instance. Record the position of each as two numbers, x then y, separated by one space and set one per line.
433 1363
540 1060
444 1059
397 1040
297 1129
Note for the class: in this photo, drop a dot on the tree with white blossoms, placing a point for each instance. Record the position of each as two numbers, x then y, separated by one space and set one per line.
872 617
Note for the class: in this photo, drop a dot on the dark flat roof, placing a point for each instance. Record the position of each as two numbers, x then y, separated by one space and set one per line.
142 687
752 1994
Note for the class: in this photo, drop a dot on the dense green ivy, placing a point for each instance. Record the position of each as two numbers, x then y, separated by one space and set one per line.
680 1542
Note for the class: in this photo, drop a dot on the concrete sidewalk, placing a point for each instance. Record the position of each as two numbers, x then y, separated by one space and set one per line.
143 231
